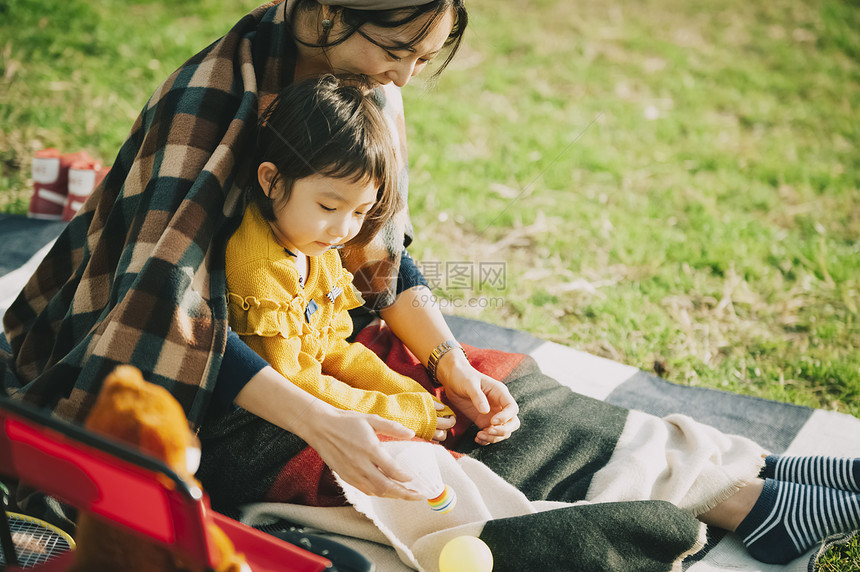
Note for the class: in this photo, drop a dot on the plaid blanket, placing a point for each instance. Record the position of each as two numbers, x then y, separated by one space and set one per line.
137 277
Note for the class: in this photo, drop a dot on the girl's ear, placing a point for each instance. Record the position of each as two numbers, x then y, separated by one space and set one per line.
266 173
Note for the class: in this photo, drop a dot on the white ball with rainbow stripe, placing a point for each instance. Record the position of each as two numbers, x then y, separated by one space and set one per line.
445 502
420 460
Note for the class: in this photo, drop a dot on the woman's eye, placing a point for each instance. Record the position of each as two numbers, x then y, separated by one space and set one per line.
360 214
327 209
392 56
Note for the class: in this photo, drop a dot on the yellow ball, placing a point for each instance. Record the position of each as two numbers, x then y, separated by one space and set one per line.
465 554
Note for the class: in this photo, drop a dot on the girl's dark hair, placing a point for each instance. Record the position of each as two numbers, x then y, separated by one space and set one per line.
333 127
354 21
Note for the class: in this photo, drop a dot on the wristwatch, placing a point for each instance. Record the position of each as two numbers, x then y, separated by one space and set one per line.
436 355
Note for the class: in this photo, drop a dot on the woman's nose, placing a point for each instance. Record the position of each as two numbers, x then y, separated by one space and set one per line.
402 72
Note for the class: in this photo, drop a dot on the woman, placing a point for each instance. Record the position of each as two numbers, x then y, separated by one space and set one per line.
142 252
137 278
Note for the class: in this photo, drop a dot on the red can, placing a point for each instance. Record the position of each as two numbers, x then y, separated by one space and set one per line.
51 182
84 176
49 190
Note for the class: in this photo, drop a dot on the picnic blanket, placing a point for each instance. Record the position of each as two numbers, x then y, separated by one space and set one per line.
778 427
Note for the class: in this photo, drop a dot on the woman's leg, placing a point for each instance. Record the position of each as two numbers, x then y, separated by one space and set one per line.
566 439
246 459
731 512
778 521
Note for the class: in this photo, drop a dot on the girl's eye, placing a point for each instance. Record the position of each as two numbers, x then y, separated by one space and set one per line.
327 209
360 214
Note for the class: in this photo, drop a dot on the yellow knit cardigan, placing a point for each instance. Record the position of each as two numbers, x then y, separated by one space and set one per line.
267 306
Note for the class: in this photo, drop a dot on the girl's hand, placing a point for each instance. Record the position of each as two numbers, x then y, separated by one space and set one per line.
347 442
443 424
484 400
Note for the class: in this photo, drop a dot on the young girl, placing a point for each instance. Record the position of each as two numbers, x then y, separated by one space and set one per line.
325 176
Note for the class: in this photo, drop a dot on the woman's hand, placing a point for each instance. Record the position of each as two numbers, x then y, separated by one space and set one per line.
347 442
415 318
484 400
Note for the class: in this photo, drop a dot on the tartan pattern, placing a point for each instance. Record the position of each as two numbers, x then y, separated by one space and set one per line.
137 276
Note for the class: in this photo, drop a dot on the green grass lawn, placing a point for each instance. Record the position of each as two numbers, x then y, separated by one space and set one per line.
708 217
669 184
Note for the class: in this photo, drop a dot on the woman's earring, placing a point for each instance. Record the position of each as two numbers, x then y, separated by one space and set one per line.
326 24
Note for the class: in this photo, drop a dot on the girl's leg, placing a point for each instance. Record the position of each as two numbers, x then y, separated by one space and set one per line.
778 521
833 472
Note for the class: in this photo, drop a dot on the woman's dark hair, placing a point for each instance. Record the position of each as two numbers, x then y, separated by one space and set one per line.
333 127
354 20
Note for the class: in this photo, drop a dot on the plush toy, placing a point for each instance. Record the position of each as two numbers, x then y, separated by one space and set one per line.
146 416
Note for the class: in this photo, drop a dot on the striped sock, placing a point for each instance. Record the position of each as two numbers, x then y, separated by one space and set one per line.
789 518
833 472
